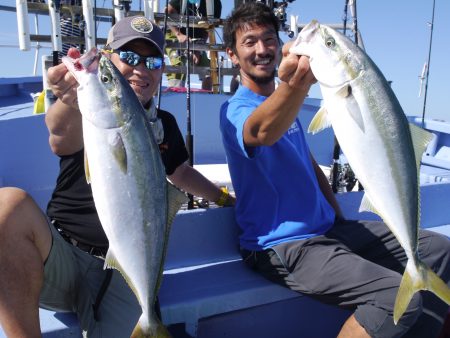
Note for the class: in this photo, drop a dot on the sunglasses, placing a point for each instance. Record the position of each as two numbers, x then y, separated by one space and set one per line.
133 59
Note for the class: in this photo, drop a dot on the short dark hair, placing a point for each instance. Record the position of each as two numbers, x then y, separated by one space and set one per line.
250 13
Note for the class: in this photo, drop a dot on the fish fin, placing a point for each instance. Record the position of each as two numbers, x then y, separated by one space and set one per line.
320 121
112 263
353 107
420 138
175 199
366 205
86 169
344 91
427 280
404 295
158 328
119 152
357 117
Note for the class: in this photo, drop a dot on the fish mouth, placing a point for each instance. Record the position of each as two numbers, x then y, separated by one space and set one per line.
88 61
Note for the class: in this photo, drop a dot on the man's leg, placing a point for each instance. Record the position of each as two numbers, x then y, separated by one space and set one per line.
325 268
352 329
25 242
434 251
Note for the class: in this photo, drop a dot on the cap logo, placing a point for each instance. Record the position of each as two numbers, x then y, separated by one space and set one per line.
141 25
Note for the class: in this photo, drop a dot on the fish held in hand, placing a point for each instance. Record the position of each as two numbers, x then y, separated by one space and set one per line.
135 202
383 149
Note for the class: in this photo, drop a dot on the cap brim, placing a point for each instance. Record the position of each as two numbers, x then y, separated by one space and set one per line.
121 42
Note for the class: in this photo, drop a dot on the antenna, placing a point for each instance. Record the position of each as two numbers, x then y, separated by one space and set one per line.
428 63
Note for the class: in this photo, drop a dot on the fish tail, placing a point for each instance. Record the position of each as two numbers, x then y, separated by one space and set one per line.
159 331
416 278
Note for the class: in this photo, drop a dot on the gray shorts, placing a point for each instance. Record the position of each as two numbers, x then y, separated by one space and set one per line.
72 280
358 266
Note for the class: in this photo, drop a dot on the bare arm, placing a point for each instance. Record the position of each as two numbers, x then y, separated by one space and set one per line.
276 114
63 118
326 189
176 30
190 180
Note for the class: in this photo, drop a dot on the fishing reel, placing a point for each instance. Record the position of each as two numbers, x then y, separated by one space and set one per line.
123 5
342 178
279 10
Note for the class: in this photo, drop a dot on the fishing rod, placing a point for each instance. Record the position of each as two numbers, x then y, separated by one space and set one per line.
166 14
341 175
428 68
337 148
189 136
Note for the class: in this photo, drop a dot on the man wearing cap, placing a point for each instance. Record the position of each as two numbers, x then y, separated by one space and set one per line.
55 260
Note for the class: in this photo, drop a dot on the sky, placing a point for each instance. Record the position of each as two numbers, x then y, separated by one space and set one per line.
396 35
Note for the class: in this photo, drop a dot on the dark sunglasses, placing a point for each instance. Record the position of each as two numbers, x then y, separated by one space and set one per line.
133 59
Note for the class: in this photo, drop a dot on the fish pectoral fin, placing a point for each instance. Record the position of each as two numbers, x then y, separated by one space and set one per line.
344 91
427 280
355 114
86 169
320 121
352 105
420 138
119 152
366 205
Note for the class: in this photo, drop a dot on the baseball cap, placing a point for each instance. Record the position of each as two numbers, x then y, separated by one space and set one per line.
135 27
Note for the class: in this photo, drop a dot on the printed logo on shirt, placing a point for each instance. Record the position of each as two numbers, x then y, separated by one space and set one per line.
294 128
163 147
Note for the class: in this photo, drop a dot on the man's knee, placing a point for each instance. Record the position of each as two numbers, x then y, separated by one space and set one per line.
21 218
437 253
11 201
377 317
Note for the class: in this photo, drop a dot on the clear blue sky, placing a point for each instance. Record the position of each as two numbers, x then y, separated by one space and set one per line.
395 33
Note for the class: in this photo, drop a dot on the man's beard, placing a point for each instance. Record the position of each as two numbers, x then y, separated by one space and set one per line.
263 79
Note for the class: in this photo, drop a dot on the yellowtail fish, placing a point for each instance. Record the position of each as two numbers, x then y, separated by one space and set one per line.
383 150
133 198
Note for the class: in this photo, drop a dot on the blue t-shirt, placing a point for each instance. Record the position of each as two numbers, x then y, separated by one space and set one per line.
278 195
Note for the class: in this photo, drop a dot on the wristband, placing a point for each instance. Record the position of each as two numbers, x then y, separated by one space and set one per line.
223 199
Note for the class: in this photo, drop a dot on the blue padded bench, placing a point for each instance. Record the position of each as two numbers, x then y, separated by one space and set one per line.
208 289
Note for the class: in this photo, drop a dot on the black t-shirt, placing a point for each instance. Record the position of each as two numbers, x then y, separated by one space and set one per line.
198 33
72 205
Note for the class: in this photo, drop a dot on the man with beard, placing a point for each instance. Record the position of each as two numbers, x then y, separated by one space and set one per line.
293 231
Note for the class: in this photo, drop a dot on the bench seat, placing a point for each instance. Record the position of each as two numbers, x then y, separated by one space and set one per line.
210 292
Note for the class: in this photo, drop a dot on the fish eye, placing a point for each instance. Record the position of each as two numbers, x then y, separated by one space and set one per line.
105 78
329 42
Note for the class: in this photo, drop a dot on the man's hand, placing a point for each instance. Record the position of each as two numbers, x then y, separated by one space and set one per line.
295 69
62 82
181 37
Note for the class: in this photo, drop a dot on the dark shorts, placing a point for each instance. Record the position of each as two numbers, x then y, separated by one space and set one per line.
358 266
72 281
